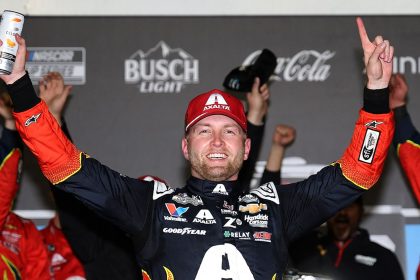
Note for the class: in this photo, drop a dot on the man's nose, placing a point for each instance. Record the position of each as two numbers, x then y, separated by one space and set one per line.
217 139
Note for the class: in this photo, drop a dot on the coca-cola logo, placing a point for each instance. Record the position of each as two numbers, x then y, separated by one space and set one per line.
306 65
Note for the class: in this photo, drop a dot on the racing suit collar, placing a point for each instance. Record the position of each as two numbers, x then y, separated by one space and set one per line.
224 190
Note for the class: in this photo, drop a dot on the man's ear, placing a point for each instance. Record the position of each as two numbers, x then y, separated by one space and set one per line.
247 148
184 145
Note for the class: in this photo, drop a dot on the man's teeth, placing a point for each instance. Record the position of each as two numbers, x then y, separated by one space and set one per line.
216 156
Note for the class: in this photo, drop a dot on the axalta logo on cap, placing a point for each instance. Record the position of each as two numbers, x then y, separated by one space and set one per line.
216 101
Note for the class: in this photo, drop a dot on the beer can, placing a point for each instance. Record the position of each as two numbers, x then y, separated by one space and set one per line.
11 24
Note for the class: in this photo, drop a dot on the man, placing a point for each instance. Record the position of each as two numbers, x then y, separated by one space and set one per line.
406 138
344 251
94 241
209 229
22 252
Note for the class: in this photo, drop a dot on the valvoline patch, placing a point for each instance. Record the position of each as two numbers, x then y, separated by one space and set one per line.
175 211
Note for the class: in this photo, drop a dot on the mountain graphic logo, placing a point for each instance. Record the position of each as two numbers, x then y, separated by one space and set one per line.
161 69
162 50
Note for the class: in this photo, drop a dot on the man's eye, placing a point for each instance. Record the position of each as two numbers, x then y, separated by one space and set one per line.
231 132
204 131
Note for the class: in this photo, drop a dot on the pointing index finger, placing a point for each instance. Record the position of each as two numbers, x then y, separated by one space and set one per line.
362 32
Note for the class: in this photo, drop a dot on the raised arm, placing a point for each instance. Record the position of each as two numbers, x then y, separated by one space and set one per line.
309 203
363 160
283 136
406 138
257 101
99 187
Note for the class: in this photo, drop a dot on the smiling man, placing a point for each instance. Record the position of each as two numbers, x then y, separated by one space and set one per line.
215 141
216 231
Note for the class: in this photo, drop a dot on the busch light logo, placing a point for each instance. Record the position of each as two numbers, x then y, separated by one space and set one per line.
306 65
161 69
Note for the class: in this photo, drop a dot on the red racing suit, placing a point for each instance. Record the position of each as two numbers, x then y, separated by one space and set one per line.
22 251
207 228
407 143
63 263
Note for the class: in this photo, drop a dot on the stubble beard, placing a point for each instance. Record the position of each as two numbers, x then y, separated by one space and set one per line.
216 173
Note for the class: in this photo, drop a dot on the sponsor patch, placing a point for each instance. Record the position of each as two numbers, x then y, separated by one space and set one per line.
229 212
204 217
184 231
57 259
366 260
260 220
249 198
220 189
369 146
262 236
160 189
232 222
252 208
216 101
228 209
175 212
226 205
183 198
237 234
32 119
267 191
11 237
373 124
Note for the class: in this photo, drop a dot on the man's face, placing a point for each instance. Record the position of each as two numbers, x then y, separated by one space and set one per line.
343 224
216 147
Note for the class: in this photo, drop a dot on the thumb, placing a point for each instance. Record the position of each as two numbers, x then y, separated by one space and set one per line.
377 52
21 53
256 85
67 90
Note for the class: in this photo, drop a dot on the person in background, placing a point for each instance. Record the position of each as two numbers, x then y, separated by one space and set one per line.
406 137
63 263
283 136
214 229
343 250
257 101
104 251
22 251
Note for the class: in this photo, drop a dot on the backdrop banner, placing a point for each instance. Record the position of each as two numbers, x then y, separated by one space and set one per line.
133 78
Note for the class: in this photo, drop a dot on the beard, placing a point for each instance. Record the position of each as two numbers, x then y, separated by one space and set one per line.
216 172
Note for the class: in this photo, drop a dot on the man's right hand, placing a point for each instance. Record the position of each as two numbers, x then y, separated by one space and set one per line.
398 90
19 66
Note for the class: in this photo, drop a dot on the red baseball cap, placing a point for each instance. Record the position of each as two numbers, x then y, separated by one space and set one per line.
215 102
